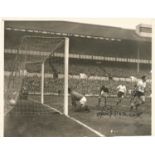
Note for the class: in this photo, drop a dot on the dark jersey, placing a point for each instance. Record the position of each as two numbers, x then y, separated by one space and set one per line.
104 89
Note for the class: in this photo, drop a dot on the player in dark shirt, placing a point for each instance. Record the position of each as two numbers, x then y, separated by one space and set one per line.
24 93
103 92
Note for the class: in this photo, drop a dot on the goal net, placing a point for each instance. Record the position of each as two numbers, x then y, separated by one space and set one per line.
38 72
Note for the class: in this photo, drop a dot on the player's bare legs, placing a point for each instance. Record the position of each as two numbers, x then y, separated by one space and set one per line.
99 101
105 101
140 92
142 101
120 97
133 103
121 93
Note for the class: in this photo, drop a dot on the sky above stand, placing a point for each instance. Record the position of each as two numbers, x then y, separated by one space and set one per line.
129 23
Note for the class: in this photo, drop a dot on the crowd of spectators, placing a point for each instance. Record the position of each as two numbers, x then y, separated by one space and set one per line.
99 70
85 86
82 66
50 85
75 68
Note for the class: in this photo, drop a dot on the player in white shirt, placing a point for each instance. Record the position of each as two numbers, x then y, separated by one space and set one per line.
121 92
139 93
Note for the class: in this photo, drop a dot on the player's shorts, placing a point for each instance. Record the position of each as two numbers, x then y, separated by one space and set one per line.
133 93
120 94
83 101
104 94
139 94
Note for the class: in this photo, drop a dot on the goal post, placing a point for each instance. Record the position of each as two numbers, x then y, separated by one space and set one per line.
47 59
66 76
42 82
66 63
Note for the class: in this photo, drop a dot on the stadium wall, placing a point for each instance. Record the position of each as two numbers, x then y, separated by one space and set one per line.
106 54
89 46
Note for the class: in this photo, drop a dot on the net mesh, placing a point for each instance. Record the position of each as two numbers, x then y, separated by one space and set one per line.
23 77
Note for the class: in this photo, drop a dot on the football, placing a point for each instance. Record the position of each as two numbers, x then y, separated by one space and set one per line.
12 102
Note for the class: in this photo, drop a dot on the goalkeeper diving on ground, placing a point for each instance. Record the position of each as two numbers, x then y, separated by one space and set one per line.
78 100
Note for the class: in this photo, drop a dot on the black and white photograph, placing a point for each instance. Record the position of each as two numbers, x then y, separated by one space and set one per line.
76 78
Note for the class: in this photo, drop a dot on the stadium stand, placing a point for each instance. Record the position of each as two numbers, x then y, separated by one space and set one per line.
89 68
109 42
123 48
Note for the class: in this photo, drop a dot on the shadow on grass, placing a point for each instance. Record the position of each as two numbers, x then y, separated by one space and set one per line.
30 119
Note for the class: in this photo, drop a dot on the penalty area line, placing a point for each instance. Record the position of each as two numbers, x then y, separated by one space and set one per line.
74 119
45 105
54 109
77 121
86 126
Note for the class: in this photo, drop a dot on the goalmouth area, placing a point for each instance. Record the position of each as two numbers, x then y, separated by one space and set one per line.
41 121
19 114
30 118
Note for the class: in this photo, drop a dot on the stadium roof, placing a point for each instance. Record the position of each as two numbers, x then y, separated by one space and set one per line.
76 29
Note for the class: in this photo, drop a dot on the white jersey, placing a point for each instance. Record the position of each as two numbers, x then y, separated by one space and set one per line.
141 86
121 88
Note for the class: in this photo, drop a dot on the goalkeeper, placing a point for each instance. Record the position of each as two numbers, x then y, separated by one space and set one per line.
78 101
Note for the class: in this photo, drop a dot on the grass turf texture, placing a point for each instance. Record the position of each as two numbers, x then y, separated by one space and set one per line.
33 119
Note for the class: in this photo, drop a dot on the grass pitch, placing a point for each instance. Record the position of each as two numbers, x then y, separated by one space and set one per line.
31 119
116 124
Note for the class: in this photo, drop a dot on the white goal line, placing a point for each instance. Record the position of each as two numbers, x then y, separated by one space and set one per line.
73 119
